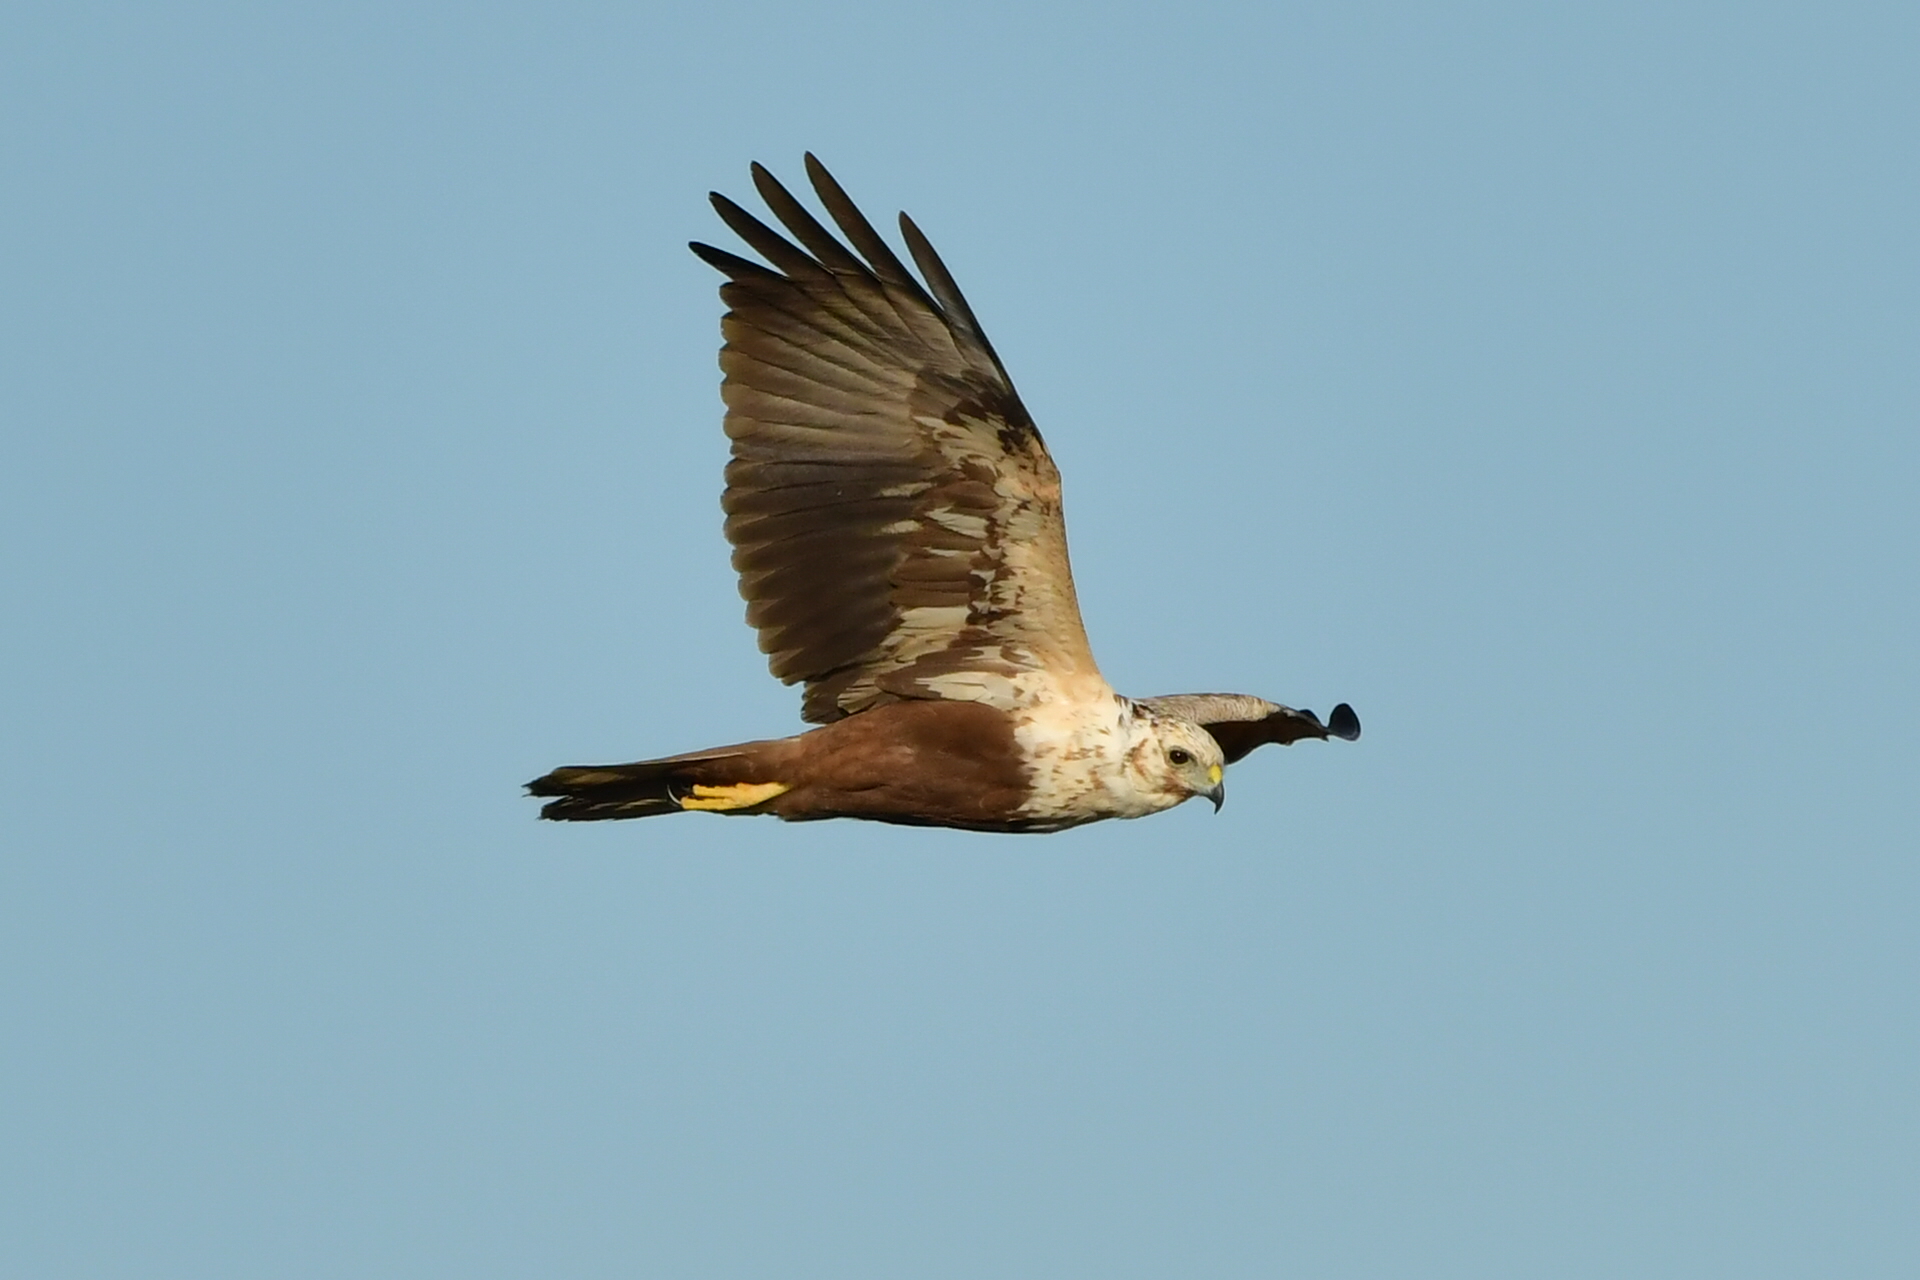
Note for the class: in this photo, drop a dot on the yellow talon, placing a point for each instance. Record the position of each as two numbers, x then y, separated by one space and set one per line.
741 795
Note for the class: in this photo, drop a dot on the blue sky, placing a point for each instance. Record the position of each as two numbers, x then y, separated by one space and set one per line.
1540 379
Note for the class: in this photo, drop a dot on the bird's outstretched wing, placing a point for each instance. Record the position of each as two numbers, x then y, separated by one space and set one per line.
1240 722
894 515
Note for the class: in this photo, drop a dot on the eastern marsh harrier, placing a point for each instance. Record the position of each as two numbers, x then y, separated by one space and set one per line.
896 526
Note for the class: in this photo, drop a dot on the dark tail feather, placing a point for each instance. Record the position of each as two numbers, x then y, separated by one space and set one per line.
592 793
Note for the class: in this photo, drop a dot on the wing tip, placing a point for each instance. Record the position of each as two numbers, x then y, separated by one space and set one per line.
1343 722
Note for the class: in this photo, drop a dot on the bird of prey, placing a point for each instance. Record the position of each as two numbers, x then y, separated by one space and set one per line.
897 529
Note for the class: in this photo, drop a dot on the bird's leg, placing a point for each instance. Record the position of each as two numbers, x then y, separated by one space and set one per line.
741 795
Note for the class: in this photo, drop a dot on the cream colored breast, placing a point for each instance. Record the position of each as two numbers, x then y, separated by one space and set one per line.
1076 750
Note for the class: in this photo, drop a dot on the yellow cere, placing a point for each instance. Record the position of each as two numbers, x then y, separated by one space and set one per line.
1213 774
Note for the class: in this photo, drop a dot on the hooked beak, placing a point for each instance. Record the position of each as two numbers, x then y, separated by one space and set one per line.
1219 792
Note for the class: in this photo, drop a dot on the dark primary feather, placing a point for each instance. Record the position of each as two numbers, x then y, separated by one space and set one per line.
893 511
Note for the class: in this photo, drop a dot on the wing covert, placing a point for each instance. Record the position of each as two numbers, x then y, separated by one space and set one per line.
1239 722
894 513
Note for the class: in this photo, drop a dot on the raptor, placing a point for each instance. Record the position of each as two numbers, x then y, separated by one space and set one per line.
897 530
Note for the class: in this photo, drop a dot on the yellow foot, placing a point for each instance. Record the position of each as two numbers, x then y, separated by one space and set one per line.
741 795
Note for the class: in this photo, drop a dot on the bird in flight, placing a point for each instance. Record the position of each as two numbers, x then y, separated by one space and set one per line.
897 528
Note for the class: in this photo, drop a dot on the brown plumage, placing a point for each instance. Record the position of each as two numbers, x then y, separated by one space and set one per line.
893 512
948 764
897 529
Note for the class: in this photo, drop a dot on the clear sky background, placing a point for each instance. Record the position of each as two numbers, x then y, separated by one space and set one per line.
1539 378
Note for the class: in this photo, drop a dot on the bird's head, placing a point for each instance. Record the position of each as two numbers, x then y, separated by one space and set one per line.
1179 759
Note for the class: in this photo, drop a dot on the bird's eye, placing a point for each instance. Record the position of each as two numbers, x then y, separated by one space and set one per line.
1180 755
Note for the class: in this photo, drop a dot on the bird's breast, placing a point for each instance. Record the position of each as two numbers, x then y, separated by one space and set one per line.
1076 753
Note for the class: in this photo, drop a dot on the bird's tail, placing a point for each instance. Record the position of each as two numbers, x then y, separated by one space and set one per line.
721 781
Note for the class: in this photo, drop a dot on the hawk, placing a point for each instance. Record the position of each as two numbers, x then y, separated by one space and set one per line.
897 528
